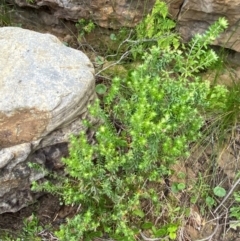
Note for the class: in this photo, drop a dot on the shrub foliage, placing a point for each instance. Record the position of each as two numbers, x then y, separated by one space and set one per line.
149 118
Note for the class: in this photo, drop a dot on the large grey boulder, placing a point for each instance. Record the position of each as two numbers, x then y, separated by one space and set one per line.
45 88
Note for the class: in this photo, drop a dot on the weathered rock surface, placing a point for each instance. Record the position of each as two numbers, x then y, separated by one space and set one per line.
106 13
45 88
195 16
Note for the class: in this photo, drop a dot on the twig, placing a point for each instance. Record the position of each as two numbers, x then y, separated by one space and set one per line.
122 57
146 40
120 45
227 196
46 234
182 236
213 233
127 52
224 227
55 217
150 239
104 77
159 216
233 224
78 208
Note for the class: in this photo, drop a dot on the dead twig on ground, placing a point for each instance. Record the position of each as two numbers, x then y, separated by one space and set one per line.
227 196
213 233
150 239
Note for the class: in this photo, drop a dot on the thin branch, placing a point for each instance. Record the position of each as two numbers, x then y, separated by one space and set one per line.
144 40
122 57
227 196
104 77
127 40
120 45
150 239
213 233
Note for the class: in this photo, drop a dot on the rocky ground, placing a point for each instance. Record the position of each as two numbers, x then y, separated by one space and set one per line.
48 211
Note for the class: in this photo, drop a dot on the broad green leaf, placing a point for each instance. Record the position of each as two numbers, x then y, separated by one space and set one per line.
147 225
172 236
181 186
101 89
181 175
237 196
172 228
219 191
99 60
160 232
113 37
174 188
139 213
234 225
210 201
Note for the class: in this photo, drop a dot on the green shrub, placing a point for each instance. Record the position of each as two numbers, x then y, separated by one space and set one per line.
149 118
155 29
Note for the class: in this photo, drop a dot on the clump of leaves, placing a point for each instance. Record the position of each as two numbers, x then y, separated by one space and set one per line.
155 29
84 27
235 210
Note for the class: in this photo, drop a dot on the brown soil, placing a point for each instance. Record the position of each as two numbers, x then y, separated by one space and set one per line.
47 210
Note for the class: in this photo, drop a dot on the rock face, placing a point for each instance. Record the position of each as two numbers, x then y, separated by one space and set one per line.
195 16
45 88
106 13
